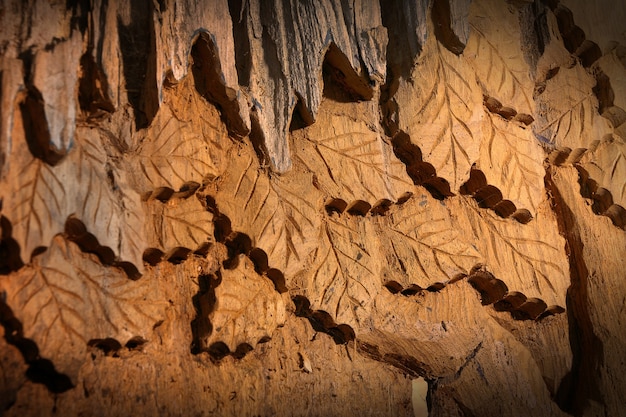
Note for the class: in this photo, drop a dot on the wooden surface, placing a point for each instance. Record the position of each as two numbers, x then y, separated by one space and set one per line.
289 208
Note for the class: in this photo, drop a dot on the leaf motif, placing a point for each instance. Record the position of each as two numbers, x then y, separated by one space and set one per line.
422 245
86 184
278 214
350 158
568 110
496 53
441 110
511 159
530 258
606 165
102 198
38 208
178 223
244 297
344 277
67 298
186 141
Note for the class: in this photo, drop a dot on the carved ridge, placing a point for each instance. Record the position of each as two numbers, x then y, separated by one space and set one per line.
323 322
424 174
588 52
603 199
492 290
76 231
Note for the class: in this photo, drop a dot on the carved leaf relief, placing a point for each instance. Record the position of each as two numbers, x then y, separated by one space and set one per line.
567 110
441 110
278 214
344 278
102 198
242 298
178 222
496 53
350 158
185 142
67 298
422 245
530 258
511 159
38 207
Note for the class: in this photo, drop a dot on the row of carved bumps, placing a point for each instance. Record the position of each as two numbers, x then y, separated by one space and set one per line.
322 322
164 194
424 174
602 198
492 291
588 52
178 254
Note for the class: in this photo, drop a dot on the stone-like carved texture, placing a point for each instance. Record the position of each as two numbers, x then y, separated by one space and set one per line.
297 207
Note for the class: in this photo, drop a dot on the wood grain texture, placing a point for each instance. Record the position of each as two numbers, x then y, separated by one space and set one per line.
311 208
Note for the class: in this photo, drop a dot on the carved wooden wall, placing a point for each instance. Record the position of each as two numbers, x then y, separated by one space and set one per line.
312 208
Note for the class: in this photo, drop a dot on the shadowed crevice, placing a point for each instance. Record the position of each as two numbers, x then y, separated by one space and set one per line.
240 243
204 304
421 173
137 43
341 81
10 259
40 370
580 385
490 197
440 15
407 364
209 82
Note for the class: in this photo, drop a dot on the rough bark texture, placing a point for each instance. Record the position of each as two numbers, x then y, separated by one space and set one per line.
312 208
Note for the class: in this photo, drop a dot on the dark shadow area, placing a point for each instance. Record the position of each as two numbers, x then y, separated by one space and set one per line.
35 122
36 129
602 199
177 255
381 207
138 51
574 37
39 370
243 58
402 50
93 86
581 384
204 303
341 81
490 197
152 256
421 173
335 205
489 287
407 364
508 113
209 82
322 322
10 259
440 14
108 346
358 208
